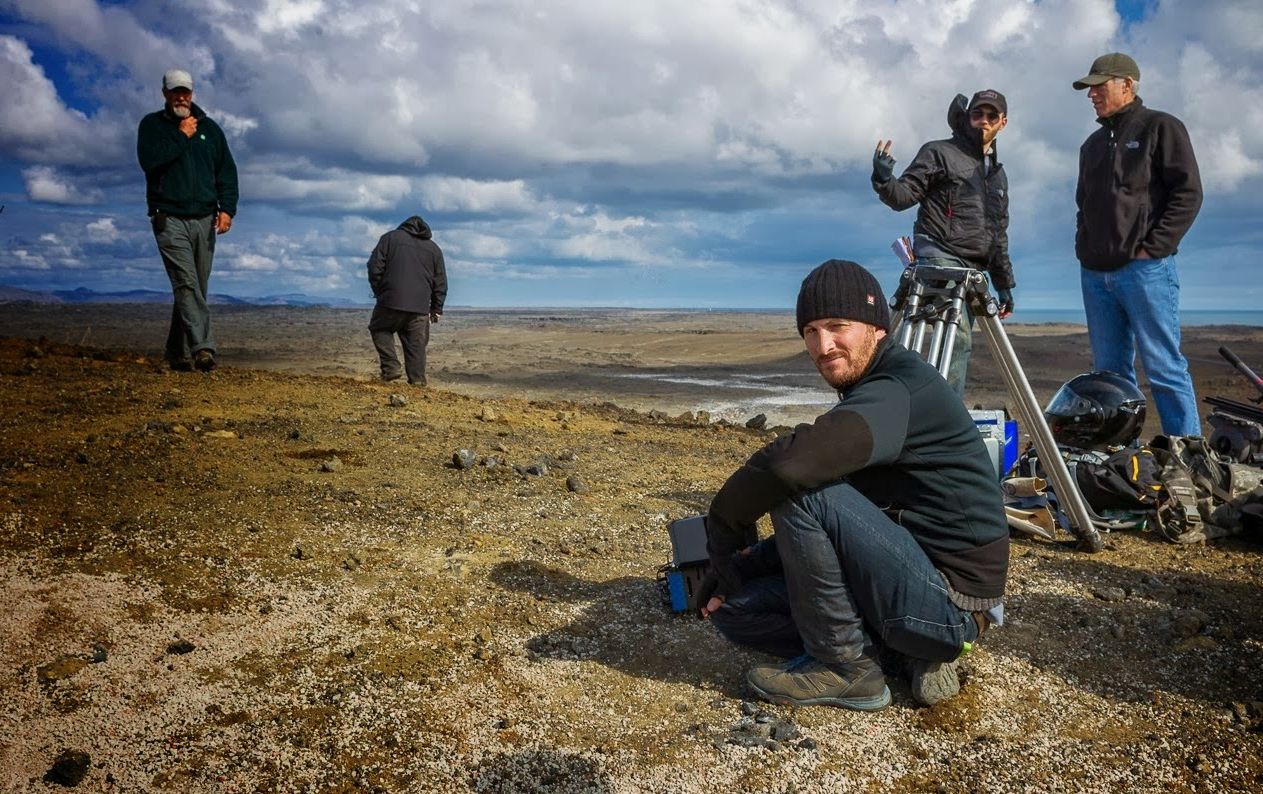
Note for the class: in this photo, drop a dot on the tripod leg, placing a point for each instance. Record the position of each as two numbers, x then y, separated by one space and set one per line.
1028 408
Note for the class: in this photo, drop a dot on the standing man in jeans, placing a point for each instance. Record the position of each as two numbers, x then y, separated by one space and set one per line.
1139 192
409 280
890 531
962 196
191 189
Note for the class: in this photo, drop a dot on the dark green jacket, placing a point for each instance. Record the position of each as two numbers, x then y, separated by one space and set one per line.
186 177
903 438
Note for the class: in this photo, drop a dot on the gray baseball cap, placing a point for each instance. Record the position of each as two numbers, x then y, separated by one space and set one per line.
1106 68
177 78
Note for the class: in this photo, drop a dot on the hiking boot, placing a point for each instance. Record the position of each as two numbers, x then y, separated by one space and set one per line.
805 681
933 682
204 360
180 364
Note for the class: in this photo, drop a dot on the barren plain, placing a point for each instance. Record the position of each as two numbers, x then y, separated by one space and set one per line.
276 577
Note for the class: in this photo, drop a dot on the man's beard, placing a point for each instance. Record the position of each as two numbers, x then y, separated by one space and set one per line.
181 111
857 360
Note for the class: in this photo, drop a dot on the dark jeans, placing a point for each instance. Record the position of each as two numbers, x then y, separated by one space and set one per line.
759 616
187 246
855 581
414 334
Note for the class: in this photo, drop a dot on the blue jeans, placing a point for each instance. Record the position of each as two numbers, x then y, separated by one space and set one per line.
857 581
1138 307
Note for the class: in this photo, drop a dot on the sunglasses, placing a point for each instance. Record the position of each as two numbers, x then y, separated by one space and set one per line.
980 113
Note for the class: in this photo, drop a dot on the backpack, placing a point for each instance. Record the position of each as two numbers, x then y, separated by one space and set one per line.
1126 480
1216 497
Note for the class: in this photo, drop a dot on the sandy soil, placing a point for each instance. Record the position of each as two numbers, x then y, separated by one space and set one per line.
273 578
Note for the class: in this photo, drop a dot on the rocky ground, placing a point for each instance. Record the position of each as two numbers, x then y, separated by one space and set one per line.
269 581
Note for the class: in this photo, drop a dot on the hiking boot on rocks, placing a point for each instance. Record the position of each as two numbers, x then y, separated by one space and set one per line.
204 360
805 681
933 682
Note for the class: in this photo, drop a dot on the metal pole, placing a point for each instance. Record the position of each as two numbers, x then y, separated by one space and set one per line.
985 310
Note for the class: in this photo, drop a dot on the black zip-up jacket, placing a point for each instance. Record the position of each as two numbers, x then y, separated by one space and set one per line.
406 270
1139 188
186 177
903 438
964 204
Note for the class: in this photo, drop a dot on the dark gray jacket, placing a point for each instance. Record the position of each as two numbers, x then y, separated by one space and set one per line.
903 438
1139 187
964 204
406 270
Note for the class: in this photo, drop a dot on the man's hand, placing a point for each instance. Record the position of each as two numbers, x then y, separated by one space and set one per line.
711 606
883 164
188 126
223 222
435 317
1006 302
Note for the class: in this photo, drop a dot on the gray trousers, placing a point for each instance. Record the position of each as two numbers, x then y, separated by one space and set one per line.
187 246
414 334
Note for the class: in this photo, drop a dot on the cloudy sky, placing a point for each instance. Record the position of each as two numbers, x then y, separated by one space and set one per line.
656 153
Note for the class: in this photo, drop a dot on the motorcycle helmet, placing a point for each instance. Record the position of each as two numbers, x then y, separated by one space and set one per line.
1096 410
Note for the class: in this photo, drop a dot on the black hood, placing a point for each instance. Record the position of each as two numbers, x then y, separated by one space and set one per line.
958 121
416 227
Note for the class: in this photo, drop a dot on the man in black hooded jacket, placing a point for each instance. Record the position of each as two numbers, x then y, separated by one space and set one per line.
409 280
963 197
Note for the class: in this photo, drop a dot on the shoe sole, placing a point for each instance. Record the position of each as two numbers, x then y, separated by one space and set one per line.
874 703
931 687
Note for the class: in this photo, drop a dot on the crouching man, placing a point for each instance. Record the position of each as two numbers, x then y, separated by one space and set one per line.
889 528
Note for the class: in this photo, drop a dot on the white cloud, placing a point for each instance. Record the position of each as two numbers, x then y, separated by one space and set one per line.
46 184
451 194
103 230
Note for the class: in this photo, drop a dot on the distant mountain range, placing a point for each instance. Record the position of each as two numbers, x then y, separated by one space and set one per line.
84 295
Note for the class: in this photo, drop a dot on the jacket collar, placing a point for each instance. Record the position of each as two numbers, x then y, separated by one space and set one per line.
1123 114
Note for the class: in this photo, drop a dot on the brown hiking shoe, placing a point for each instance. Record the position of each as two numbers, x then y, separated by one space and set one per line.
805 681
204 360
933 682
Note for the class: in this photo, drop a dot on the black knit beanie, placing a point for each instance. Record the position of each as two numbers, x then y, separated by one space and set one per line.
844 290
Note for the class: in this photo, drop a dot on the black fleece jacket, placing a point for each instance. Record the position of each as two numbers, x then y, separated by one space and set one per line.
903 438
406 270
1139 188
964 201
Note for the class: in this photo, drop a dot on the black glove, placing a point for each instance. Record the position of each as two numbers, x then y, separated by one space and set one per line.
883 167
1006 300
707 587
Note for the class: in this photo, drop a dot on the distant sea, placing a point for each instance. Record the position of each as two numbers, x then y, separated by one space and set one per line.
1187 316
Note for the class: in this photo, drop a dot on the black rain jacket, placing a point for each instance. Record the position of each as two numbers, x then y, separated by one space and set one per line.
406 270
964 206
1139 187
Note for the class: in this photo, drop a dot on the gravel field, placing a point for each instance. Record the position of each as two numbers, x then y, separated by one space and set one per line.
276 580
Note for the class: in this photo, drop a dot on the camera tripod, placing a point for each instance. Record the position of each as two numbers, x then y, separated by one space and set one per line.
931 299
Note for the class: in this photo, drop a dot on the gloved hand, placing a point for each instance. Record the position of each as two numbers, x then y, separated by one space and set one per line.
707 591
883 164
1005 297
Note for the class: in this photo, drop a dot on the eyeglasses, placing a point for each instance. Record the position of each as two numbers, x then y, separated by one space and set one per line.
980 113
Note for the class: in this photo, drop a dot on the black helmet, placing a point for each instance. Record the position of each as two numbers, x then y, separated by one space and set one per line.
1096 410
